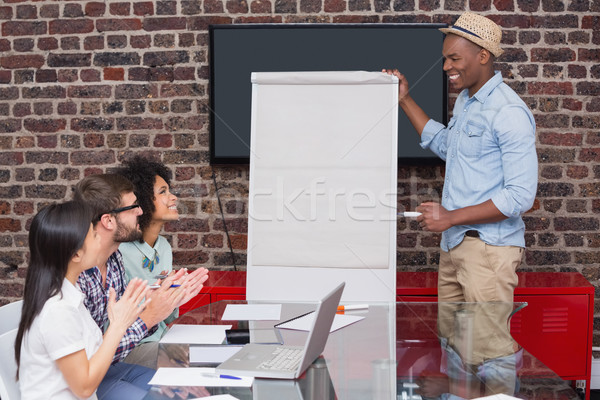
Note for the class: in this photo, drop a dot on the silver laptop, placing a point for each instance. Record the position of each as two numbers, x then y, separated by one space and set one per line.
286 362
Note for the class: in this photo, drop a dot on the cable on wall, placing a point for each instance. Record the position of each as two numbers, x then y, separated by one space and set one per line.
214 178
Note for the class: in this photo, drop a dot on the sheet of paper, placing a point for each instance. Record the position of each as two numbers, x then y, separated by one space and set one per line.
499 396
252 312
265 336
196 334
305 322
196 377
212 354
322 132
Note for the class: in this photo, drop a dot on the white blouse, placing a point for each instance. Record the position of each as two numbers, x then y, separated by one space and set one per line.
64 326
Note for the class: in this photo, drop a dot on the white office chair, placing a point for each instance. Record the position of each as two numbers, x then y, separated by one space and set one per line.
9 387
10 315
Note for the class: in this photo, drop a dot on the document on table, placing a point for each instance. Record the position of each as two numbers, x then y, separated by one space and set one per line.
252 312
211 354
499 396
196 334
196 377
304 323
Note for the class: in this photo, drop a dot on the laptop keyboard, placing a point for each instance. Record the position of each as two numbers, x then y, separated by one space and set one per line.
284 359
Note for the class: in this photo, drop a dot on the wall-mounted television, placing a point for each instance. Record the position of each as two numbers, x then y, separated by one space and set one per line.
238 50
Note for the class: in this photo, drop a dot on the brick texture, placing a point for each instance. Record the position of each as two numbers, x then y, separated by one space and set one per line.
85 85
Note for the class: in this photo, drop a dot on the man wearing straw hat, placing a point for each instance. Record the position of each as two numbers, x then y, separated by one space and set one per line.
491 167
490 181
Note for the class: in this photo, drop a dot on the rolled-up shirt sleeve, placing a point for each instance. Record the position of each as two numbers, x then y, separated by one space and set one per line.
433 138
516 139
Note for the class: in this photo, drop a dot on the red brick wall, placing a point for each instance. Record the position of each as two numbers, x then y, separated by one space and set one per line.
85 84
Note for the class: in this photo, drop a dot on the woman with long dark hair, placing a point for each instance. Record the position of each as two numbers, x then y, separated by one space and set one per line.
60 351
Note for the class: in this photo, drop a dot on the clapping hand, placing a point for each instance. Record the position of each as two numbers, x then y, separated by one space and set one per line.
192 284
165 299
124 312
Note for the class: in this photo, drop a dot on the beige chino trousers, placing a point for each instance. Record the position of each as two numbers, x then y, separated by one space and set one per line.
476 272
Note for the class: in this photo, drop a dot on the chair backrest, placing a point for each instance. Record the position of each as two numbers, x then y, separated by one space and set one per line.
10 315
9 387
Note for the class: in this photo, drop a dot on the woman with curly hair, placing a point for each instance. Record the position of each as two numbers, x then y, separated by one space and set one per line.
152 255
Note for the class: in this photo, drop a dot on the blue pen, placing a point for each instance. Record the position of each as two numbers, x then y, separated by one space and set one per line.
229 377
207 375
157 286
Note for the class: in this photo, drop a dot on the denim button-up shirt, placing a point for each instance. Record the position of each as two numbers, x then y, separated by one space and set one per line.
489 148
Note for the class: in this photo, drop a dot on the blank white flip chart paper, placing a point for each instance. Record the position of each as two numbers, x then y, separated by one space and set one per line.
322 196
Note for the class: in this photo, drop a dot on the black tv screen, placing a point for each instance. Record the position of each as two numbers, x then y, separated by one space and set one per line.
240 49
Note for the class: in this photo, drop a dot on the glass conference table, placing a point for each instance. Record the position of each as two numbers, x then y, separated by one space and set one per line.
398 351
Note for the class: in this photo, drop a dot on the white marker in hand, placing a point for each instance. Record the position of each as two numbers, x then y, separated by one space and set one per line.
410 214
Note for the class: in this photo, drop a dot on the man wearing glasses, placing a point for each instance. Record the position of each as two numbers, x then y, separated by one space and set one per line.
116 212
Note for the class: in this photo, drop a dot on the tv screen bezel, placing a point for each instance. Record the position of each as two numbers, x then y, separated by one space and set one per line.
402 161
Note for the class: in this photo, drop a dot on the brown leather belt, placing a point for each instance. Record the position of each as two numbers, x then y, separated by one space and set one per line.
472 233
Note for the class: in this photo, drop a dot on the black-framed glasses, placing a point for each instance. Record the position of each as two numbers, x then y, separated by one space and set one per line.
116 211
121 209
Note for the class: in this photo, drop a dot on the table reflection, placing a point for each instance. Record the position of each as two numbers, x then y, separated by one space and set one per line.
399 351
478 355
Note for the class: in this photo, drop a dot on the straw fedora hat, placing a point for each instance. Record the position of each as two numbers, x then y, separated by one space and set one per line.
479 30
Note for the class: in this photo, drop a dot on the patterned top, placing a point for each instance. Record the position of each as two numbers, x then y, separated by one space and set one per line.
96 301
145 262
135 256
